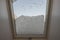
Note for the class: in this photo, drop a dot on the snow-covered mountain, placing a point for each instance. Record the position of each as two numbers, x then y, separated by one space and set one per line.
30 25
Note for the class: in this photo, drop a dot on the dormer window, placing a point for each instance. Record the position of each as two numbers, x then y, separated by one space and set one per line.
29 18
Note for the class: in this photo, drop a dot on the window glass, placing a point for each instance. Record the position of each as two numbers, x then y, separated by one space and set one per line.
29 16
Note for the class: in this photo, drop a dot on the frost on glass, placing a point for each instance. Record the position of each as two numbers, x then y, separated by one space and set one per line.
29 16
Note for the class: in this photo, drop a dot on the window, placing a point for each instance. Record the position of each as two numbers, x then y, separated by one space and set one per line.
29 17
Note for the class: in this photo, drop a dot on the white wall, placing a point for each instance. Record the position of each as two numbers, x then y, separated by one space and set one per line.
5 32
54 34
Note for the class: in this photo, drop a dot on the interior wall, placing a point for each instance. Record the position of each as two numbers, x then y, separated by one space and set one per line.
54 32
5 32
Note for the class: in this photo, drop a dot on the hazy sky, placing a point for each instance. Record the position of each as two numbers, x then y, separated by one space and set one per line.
29 7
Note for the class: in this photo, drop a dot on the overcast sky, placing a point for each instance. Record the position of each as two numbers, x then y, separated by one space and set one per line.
29 7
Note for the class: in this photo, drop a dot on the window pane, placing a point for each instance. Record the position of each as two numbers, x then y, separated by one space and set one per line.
30 16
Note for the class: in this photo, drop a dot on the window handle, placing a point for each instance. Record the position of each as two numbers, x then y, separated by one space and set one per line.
29 38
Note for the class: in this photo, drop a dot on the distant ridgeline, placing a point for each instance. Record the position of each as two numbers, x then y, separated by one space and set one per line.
23 17
30 24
